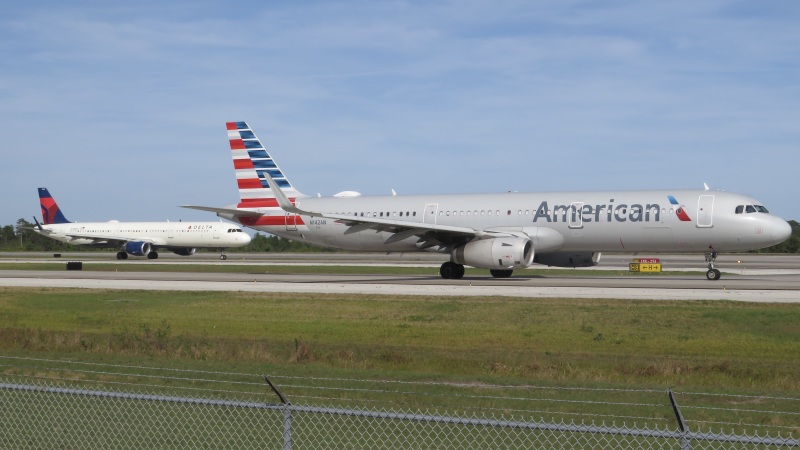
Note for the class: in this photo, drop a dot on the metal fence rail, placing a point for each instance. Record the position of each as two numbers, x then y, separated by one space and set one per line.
54 414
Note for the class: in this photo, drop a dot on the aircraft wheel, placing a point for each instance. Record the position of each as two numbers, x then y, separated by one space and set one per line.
152 255
501 273
122 255
451 271
223 257
713 274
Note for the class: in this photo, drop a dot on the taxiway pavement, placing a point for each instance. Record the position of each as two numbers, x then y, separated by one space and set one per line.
748 277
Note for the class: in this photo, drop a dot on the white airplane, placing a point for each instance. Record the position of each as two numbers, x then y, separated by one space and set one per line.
500 232
138 238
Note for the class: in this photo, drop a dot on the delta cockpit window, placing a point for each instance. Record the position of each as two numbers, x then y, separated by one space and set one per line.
749 209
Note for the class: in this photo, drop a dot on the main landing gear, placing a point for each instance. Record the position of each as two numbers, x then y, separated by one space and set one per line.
453 271
501 273
711 256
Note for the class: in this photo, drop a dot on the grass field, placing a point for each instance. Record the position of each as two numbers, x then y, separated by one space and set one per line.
716 347
706 345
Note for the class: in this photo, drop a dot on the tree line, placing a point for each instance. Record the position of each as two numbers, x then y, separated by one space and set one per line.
21 237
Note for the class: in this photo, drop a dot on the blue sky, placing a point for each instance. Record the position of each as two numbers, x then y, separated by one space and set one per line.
119 109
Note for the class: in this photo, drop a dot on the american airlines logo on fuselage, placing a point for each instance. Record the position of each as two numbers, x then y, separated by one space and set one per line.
622 212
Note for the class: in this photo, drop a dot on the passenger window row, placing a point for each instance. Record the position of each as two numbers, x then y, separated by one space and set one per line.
380 214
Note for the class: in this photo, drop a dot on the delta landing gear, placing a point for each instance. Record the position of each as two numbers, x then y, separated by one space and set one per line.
222 255
711 256
122 255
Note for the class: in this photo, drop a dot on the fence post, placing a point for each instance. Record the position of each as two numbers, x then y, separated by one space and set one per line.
287 416
685 444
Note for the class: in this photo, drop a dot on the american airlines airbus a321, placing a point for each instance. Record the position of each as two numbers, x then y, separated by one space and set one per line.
500 232
138 238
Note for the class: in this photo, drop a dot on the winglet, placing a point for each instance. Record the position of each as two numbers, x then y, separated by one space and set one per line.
283 200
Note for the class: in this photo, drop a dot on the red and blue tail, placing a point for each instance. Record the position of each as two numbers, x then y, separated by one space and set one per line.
251 161
51 213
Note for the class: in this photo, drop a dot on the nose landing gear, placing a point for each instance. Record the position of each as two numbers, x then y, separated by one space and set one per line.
711 256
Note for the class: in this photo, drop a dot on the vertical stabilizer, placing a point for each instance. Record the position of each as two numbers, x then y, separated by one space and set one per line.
251 161
51 213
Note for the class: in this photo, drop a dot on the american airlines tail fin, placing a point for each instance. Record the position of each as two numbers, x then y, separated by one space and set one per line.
251 161
51 213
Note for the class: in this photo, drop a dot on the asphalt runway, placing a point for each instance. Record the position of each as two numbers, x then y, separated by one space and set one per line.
746 277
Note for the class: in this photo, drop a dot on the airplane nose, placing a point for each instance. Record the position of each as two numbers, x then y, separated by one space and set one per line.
781 231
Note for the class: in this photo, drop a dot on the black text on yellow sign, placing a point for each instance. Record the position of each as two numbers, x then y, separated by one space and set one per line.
645 268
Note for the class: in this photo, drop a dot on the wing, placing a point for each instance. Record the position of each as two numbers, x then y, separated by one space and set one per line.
430 235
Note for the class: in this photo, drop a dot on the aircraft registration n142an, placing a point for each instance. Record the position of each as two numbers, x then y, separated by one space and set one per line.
502 231
138 238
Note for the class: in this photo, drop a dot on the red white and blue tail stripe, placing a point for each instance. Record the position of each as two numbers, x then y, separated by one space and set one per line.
251 161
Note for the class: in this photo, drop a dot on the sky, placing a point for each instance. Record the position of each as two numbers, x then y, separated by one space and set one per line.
119 108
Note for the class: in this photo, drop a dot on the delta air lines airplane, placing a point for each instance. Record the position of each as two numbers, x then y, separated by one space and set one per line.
138 238
502 231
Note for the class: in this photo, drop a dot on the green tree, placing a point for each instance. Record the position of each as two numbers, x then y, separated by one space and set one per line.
274 244
7 236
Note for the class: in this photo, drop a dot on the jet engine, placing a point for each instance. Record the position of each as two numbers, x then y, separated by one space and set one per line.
495 253
568 259
137 248
183 251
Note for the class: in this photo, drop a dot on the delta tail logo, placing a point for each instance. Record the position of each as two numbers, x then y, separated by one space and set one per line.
679 211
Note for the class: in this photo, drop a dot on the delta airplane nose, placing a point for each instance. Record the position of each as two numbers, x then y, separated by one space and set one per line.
781 231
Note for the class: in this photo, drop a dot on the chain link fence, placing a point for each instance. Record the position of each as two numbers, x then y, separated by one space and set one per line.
124 407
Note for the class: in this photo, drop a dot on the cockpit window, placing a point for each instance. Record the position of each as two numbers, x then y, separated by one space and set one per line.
751 209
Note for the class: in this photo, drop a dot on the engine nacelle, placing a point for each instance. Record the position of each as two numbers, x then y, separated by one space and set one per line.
184 251
568 259
137 248
495 253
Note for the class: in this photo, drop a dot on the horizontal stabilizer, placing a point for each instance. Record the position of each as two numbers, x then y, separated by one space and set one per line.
231 211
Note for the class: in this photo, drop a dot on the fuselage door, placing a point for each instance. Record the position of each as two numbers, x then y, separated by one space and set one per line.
291 222
705 211
574 215
431 209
